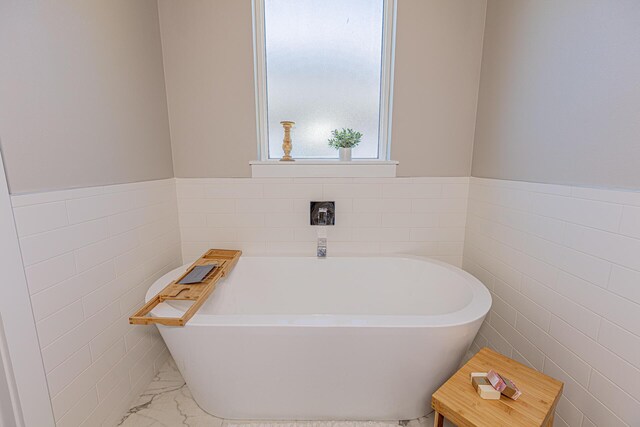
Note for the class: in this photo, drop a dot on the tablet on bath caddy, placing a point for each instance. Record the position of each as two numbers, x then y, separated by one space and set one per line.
197 274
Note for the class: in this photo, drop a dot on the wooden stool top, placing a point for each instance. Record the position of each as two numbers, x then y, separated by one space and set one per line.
458 401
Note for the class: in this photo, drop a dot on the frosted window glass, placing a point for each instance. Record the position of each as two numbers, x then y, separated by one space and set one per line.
323 65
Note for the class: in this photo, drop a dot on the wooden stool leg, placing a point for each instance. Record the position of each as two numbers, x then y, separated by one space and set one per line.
438 419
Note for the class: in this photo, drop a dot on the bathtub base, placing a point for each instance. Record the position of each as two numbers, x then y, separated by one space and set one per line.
317 373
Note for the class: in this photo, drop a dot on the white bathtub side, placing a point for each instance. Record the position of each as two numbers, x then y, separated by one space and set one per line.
317 373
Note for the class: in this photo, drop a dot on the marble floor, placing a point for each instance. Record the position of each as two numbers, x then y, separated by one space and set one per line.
167 402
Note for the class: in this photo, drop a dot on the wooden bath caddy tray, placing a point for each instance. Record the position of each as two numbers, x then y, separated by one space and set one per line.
224 260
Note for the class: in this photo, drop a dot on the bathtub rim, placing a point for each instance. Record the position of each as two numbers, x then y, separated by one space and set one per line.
475 310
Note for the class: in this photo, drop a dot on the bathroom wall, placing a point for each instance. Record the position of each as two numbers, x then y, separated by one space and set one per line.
90 254
83 100
562 265
559 105
559 95
424 216
208 61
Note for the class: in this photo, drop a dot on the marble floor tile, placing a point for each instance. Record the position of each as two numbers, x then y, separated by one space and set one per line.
167 402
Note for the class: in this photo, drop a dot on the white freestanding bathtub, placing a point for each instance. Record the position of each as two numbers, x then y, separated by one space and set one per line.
341 338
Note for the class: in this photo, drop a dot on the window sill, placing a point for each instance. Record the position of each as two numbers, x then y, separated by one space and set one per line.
324 169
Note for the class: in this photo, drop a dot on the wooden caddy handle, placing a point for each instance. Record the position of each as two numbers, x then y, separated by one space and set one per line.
224 260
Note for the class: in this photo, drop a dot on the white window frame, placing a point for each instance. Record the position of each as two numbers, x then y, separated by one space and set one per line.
386 89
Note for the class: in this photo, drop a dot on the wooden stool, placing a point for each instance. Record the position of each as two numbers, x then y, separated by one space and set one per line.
458 401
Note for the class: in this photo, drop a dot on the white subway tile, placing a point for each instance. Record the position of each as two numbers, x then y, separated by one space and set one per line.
185 190
86 381
97 253
247 248
619 402
410 220
294 191
604 216
206 205
109 337
99 416
258 234
578 369
607 195
193 220
90 208
57 352
612 247
439 205
334 234
43 246
113 290
268 206
412 248
283 220
380 234
630 224
567 411
47 273
518 341
56 297
583 400
40 218
437 234
348 248
585 320
351 191
625 282
452 219
580 246
621 342
207 234
233 190
76 415
243 219
59 323
524 306
616 369
381 205
18 200
504 310
358 220
129 229
587 267
64 374
129 220
610 306
411 191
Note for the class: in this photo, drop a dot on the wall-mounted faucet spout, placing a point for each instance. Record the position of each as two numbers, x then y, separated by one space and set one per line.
321 251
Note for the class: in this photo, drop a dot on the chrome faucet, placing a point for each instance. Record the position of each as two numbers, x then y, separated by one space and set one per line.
322 214
322 247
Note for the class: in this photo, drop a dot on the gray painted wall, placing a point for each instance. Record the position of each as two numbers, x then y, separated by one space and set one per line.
82 98
560 93
209 75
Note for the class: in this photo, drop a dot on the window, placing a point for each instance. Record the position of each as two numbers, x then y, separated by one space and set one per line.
324 64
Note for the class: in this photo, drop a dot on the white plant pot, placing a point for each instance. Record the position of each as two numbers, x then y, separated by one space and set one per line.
345 154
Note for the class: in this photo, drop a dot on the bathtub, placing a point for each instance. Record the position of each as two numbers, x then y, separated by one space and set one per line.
341 338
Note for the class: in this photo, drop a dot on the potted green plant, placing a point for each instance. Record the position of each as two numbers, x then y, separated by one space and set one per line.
344 140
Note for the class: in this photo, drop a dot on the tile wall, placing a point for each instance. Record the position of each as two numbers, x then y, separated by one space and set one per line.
562 263
90 255
563 266
271 216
